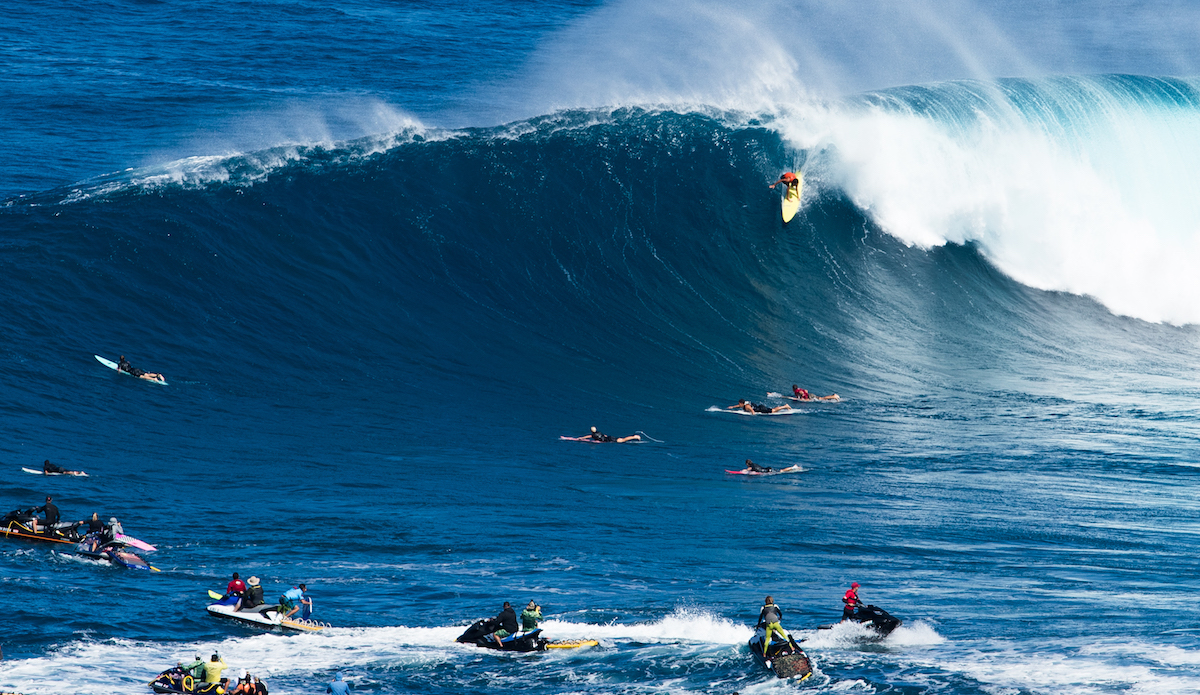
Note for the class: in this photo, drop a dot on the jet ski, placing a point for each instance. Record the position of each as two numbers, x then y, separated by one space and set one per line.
480 634
266 615
114 552
873 617
176 681
784 658
19 524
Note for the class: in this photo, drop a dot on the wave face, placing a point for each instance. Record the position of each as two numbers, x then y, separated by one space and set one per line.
371 347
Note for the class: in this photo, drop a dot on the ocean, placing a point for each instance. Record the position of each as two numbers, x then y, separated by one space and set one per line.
386 254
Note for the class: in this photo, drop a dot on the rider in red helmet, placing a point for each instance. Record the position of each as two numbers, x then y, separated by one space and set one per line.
852 602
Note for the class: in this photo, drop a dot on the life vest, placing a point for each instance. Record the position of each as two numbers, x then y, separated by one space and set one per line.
851 598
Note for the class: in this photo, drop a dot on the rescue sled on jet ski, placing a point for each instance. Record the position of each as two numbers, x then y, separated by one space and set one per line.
783 657
115 552
19 524
176 681
480 635
266 615
874 617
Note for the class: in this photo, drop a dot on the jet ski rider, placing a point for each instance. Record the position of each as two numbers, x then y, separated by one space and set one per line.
51 515
236 586
530 617
508 624
769 618
852 602
252 597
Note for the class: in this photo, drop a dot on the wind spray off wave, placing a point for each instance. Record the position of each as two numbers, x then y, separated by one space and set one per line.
1083 185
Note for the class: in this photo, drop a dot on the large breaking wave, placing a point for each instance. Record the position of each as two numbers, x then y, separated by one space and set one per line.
640 249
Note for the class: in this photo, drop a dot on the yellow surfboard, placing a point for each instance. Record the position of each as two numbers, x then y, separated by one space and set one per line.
572 644
791 201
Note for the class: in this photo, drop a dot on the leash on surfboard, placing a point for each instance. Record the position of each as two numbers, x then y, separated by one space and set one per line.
649 437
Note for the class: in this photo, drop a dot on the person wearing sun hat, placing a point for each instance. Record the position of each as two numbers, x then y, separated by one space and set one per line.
852 601
252 597
531 616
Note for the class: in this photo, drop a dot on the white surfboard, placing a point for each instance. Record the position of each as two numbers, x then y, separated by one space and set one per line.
113 366
35 471
715 409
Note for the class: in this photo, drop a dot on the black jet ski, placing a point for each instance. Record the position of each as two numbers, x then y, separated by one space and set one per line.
784 658
480 634
176 681
19 524
873 617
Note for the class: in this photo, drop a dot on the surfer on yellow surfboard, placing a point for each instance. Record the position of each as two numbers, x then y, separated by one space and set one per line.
791 201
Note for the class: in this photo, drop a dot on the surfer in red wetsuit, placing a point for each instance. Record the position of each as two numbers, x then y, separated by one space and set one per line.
789 179
851 600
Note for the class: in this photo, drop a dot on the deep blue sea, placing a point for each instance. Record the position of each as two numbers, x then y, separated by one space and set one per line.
387 253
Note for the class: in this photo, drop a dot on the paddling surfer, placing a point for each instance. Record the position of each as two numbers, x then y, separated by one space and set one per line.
124 366
803 395
757 408
755 468
601 437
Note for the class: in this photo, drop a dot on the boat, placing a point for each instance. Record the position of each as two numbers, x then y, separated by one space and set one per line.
784 658
175 681
115 552
874 617
267 615
19 524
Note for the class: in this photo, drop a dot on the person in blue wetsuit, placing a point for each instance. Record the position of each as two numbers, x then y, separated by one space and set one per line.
338 686
293 599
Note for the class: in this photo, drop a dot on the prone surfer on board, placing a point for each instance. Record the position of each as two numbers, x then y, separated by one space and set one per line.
124 366
756 408
754 467
802 395
601 437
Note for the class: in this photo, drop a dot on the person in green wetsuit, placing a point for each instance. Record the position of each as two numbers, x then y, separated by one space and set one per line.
195 669
530 617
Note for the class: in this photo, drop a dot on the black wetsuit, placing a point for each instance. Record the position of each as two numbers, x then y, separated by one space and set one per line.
51 513
760 408
51 468
253 596
770 613
95 526
124 366
757 468
602 437
508 620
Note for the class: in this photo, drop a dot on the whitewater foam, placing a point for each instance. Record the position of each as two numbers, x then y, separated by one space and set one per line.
1076 185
